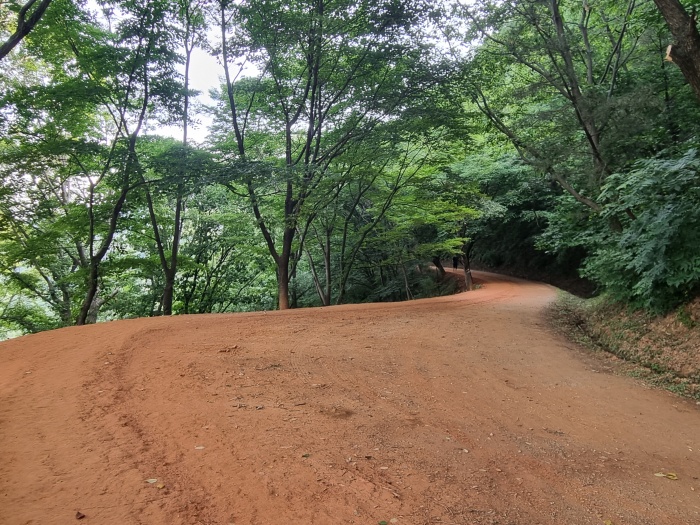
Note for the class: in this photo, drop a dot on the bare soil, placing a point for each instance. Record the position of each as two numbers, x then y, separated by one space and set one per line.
456 410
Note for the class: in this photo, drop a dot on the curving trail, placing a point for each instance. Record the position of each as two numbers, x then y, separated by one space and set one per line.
457 410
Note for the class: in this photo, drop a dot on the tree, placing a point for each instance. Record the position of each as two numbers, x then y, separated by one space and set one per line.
85 115
580 78
181 168
574 74
356 204
329 74
170 172
685 53
141 75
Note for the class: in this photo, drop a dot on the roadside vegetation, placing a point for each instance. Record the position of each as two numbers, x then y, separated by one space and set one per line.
662 350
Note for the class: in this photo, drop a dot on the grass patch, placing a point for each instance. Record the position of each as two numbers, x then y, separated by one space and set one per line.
662 351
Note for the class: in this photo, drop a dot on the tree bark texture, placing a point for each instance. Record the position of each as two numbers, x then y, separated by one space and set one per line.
685 51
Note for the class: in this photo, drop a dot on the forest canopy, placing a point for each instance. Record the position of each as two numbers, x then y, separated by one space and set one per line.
350 144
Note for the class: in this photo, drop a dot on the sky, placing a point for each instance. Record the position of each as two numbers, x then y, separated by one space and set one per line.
205 73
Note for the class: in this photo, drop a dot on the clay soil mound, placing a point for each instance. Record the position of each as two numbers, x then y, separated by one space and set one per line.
457 410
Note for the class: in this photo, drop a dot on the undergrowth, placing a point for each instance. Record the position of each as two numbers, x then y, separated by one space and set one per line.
663 351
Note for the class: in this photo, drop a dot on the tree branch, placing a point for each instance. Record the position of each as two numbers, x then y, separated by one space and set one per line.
24 25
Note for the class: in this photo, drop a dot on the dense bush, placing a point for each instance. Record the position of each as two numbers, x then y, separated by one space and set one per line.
654 262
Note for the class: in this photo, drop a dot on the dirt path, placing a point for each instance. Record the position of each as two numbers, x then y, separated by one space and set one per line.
458 410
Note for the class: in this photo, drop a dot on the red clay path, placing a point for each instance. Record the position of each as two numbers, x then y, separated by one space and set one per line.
457 410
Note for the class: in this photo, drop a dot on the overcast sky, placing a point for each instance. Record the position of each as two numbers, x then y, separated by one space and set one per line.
204 75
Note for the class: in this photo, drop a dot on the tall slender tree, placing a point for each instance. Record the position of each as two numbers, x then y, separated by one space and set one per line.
190 20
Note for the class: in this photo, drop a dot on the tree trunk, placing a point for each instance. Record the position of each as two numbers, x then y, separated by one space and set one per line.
168 291
685 52
90 296
323 290
96 258
584 114
131 162
327 263
170 270
438 265
467 262
293 288
283 264
317 282
283 286
468 278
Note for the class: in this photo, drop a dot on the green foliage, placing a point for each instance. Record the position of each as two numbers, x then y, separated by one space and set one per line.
23 315
584 104
654 262
225 264
42 227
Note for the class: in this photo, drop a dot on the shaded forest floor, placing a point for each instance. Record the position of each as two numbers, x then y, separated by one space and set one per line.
463 410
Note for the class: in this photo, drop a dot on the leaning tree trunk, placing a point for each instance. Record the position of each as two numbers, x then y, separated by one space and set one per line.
283 266
440 269
468 279
685 52
25 24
